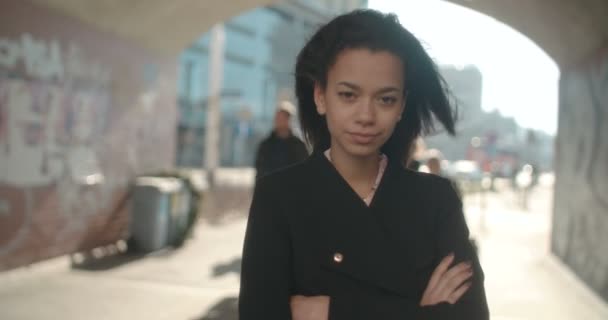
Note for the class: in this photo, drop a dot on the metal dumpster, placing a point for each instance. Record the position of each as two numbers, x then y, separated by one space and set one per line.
156 212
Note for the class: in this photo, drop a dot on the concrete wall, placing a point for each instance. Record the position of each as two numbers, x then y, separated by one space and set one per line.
81 112
580 225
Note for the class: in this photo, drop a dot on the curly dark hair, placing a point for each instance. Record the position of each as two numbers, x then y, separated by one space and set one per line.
427 94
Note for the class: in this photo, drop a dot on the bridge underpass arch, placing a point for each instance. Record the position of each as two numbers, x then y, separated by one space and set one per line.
568 31
574 34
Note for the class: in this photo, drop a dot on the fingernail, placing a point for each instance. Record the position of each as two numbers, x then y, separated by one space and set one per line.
451 255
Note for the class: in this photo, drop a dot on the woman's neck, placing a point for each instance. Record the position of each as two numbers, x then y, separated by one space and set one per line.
359 172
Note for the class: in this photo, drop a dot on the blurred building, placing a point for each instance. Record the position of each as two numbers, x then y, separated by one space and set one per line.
259 56
466 87
496 142
466 84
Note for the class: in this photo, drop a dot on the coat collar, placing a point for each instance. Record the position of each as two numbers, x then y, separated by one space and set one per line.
363 235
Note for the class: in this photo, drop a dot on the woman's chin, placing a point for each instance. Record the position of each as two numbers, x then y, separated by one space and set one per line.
363 150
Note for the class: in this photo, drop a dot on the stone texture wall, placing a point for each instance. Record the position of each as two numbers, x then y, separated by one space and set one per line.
580 224
81 113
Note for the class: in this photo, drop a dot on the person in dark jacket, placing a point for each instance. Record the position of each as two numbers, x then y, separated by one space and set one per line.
350 234
281 148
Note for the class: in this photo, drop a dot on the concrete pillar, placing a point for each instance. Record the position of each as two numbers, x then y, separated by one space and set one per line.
216 71
580 221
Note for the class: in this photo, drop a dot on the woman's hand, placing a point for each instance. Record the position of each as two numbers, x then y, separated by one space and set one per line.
447 284
309 308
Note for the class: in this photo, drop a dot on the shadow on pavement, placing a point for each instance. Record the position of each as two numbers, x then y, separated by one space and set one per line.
226 309
88 262
224 204
106 263
226 268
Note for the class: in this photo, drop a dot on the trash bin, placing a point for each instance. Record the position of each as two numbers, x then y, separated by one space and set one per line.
180 212
186 203
156 212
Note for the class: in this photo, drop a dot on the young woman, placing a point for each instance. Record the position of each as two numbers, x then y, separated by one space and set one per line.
350 233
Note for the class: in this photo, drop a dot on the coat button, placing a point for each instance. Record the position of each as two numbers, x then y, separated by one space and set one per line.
338 257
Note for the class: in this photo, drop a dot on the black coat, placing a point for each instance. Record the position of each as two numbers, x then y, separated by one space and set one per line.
309 234
275 153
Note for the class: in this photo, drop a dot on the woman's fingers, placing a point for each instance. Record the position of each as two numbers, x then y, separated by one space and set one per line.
309 308
453 278
456 295
447 284
431 294
439 271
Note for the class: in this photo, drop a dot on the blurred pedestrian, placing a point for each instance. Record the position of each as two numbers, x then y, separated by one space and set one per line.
412 158
525 182
281 148
433 163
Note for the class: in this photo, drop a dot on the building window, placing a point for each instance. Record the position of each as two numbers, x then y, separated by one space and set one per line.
286 16
188 77
231 26
236 58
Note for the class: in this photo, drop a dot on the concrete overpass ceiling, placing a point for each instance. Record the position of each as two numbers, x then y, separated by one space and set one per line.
166 26
567 30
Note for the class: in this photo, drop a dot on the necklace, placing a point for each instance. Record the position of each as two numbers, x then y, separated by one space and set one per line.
383 160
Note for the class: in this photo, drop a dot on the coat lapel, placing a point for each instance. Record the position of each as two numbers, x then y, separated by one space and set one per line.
400 210
360 241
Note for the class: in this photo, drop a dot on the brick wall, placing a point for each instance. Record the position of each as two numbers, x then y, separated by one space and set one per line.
81 113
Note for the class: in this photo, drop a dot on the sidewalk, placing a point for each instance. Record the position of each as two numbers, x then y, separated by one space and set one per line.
184 284
523 279
200 281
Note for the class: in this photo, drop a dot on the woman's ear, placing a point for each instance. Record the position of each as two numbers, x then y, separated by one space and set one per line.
319 96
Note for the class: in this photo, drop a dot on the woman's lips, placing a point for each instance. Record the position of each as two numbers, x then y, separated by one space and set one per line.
363 138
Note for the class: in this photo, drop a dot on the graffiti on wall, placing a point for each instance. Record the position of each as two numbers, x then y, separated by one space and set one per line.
582 147
46 60
581 199
54 107
597 173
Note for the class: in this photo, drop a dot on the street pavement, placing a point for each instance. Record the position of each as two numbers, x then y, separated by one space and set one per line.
200 280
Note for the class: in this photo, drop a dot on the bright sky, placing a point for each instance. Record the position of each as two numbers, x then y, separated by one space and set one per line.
519 78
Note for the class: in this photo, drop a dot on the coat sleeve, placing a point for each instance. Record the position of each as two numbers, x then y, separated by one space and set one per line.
453 236
260 159
301 151
266 265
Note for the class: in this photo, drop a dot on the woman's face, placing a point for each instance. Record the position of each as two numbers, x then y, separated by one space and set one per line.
362 101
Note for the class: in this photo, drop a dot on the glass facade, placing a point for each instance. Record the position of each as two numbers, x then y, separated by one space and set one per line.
259 56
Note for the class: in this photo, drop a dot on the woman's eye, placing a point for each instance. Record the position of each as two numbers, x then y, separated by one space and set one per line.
347 95
388 100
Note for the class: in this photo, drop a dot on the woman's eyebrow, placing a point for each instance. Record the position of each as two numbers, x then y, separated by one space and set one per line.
389 89
350 85
381 90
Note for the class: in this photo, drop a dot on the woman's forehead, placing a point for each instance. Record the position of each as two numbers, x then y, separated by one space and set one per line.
364 68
